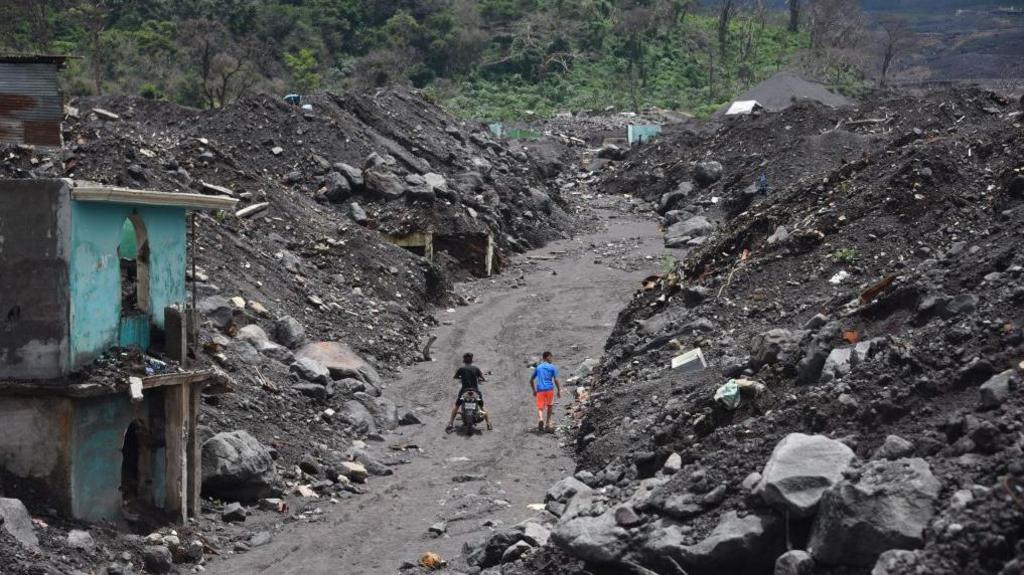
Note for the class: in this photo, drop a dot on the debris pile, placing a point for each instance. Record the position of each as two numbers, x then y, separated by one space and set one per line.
871 294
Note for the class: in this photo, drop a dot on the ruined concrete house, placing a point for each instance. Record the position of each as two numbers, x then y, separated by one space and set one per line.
92 277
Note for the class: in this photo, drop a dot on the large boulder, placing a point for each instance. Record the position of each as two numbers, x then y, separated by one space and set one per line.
289 332
340 360
737 545
358 416
775 346
384 184
311 370
996 390
353 175
801 469
707 173
237 466
15 520
680 233
586 533
888 507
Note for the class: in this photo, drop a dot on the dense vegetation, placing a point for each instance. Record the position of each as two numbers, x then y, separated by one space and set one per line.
492 59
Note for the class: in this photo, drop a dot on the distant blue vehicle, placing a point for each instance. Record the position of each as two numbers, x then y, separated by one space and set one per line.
293 99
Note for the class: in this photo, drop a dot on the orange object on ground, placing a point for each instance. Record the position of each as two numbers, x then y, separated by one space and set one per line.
545 399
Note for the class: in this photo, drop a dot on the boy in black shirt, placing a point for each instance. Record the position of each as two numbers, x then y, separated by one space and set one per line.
470 377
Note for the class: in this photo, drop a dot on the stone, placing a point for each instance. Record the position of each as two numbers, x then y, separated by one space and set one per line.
81 539
308 464
669 201
566 489
795 562
337 188
626 517
894 447
255 336
598 539
707 173
438 529
340 360
409 418
673 464
887 507
356 414
352 174
289 332
358 214
534 533
775 346
157 559
737 545
272 504
800 470
384 184
233 513
260 539
515 551
311 370
681 232
779 236
218 310
15 520
996 390
842 360
896 562
962 304
751 481
314 390
354 471
235 465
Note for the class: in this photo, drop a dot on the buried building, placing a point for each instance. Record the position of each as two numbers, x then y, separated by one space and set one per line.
92 290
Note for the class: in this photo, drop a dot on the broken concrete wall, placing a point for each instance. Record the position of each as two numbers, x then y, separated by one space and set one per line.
95 271
33 279
473 251
99 429
34 442
420 243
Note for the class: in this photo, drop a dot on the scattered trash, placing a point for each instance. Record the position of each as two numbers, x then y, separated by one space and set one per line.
252 210
432 561
536 507
730 394
690 362
839 277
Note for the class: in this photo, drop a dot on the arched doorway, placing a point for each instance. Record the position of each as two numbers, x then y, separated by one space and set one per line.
133 256
136 466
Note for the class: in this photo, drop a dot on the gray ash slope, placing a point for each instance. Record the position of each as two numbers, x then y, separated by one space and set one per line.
309 256
925 203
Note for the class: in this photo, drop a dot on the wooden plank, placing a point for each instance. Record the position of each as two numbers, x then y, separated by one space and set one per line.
176 402
92 193
176 336
194 458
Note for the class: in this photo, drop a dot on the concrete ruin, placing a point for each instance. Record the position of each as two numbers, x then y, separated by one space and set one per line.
92 290
472 250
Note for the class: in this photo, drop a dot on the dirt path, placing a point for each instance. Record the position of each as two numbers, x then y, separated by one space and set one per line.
567 304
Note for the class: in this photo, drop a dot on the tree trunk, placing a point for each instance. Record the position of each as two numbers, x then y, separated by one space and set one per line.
723 26
794 16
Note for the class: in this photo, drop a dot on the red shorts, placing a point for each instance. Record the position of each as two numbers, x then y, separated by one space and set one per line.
545 399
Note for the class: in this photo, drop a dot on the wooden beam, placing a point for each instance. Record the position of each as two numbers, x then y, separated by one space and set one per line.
176 404
90 193
194 453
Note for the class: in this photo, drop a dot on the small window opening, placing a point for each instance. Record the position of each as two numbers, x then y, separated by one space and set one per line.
133 254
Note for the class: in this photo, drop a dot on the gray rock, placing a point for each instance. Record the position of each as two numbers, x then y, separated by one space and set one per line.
309 464
627 517
996 390
515 551
409 418
314 390
707 173
358 214
438 529
340 360
80 539
895 562
566 489
843 360
794 562
337 188
801 469
289 332
534 533
737 545
669 201
311 370
233 513
673 464
779 236
894 447
775 346
598 539
888 507
681 232
384 184
157 559
15 520
218 310
962 304
358 416
353 175
237 466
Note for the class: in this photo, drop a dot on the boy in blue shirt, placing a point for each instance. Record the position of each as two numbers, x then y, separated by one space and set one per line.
545 386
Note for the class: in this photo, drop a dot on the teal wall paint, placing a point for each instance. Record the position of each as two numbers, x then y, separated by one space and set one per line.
642 133
94 275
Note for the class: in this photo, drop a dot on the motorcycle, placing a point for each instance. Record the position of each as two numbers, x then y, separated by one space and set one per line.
471 412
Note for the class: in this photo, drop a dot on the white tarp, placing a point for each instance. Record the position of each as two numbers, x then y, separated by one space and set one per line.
742 107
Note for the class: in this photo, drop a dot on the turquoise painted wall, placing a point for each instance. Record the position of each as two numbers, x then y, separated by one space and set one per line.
98 430
642 133
94 275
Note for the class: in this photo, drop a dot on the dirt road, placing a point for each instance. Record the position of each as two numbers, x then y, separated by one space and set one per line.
565 298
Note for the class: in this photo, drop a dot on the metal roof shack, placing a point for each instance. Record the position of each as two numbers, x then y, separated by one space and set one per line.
31 104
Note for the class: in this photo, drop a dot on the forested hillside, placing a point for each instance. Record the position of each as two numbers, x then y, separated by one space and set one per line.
491 59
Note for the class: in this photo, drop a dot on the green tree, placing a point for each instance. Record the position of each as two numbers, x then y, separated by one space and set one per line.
304 69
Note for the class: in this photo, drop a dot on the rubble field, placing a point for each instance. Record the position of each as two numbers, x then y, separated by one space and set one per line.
852 277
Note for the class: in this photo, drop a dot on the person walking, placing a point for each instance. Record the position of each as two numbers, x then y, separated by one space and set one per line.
470 377
545 386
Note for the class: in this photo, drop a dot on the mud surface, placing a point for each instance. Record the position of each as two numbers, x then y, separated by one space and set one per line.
568 305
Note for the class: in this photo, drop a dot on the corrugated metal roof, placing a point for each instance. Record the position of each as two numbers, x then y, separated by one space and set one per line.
33 59
31 105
